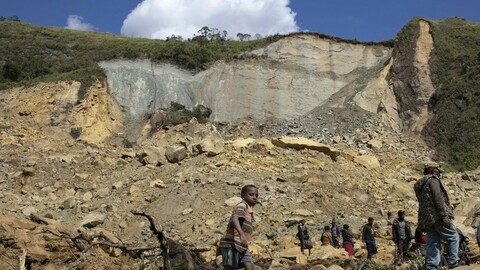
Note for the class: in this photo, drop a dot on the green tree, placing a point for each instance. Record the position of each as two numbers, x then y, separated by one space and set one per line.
14 19
205 32
241 36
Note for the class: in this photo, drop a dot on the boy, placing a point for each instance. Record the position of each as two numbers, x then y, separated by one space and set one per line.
234 243
401 234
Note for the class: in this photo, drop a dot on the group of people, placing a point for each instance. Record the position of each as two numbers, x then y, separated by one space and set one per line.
330 237
434 227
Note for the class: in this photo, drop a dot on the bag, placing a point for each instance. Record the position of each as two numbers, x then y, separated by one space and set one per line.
423 240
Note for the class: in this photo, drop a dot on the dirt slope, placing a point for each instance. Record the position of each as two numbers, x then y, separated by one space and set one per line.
186 175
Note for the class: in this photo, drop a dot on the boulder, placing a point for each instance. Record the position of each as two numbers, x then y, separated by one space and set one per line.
93 220
299 143
152 155
212 146
369 162
242 143
233 201
176 153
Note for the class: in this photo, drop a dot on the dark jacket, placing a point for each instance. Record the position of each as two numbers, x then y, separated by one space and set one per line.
347 236
302 233
433 202
367 232
396 231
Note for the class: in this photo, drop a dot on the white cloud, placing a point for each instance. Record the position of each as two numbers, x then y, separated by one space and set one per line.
74 22
164 18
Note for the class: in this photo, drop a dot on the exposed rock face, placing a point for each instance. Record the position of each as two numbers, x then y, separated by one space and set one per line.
293 76
288 79
412 81
98 117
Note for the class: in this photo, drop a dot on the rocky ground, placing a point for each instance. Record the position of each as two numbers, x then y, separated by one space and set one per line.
63 198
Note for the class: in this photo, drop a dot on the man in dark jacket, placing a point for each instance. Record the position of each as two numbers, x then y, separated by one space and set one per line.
368 238
435 214
401 234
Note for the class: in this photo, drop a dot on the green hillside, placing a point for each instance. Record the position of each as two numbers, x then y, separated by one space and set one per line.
455 66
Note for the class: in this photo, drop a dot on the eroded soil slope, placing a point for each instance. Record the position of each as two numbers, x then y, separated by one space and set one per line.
59 182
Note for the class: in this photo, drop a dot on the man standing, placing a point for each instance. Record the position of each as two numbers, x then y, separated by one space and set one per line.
368 238
335 234
435 214
401 235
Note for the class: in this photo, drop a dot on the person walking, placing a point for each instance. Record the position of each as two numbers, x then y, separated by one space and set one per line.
368 238
304 237
435 215
401 235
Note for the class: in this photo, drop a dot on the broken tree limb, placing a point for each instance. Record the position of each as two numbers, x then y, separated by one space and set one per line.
175 255
157 229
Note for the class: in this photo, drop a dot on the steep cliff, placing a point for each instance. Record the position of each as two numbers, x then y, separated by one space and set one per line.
284 80
435 74
412 79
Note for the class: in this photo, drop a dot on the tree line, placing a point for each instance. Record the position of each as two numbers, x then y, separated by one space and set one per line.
12 19
214 34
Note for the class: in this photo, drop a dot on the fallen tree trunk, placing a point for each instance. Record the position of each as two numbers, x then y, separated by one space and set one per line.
175 255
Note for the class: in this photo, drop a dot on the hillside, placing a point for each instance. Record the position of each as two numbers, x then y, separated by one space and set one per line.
79 158
452 81
31 54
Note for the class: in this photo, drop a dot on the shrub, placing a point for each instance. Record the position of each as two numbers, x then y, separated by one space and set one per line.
12 71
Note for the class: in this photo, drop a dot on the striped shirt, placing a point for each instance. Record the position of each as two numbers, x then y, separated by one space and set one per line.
231 238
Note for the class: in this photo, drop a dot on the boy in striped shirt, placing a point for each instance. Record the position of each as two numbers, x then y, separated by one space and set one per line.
234 243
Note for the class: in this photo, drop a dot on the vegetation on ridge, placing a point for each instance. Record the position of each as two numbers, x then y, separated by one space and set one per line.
31 54
455 69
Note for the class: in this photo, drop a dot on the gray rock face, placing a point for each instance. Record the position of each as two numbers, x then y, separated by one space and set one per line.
296 75
141 87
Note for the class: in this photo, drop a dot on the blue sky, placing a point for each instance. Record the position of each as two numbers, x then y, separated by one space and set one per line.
366 20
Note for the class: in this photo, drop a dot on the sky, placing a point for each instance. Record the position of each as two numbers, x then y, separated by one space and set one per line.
365 20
